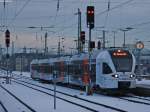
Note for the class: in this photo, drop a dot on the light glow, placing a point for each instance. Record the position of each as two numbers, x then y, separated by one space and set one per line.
120 54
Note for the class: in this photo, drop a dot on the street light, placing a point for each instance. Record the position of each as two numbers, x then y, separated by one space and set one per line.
124 31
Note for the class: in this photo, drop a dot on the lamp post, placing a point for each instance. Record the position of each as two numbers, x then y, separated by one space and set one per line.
124 31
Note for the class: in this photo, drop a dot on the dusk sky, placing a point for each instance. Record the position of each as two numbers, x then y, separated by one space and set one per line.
61 21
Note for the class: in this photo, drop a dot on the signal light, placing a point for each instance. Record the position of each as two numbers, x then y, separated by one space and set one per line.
99 45
82 34
90 16
92 44
7 38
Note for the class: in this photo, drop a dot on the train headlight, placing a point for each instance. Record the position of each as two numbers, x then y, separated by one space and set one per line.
115 76
132 76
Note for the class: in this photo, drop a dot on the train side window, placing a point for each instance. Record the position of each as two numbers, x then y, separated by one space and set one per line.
106 69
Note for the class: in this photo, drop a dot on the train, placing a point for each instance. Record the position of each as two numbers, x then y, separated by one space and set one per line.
109 69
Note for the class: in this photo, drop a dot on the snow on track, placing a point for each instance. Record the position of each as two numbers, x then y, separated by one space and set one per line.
11 103
110 101
40 102
76 100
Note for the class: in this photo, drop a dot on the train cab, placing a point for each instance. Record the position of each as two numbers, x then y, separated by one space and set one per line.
115 69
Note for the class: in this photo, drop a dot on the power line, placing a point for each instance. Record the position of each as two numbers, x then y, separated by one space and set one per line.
110 9
140 24
117 6
106 18
19 12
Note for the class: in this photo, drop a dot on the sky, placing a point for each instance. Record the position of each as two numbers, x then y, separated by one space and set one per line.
60 21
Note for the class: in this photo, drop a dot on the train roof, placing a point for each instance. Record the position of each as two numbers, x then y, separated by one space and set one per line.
35 61
43 61
82 56
94 54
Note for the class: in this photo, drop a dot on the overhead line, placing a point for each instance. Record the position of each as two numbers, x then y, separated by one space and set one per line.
117 6
19 12
140 24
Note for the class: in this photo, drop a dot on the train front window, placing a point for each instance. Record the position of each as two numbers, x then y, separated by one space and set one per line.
122 61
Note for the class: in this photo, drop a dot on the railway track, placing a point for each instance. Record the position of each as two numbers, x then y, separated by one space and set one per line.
66 98
122 98
4 108
106 106
137 97
19 100
134 101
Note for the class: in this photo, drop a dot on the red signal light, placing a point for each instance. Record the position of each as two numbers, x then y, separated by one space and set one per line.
89 12
90 16
7 38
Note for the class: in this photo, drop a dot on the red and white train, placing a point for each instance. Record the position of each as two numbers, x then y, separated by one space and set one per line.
110 69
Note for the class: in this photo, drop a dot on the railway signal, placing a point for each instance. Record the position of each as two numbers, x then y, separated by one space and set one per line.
92 44
82 38
90 24
90 17
99 45
7 38
7 42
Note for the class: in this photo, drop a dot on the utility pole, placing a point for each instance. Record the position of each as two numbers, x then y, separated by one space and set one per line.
45 49
54 83
124 40
7 42
12 51
90 25
59 47
114 38
124 34
79 30
104 39
12 54
4 3
21 64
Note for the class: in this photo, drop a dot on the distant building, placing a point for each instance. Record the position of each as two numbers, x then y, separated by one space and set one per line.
20 61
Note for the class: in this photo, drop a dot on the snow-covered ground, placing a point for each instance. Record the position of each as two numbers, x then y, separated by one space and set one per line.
44 103
38 101
27 74
143 81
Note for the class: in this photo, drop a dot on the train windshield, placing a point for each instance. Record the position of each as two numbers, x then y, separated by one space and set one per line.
122 60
